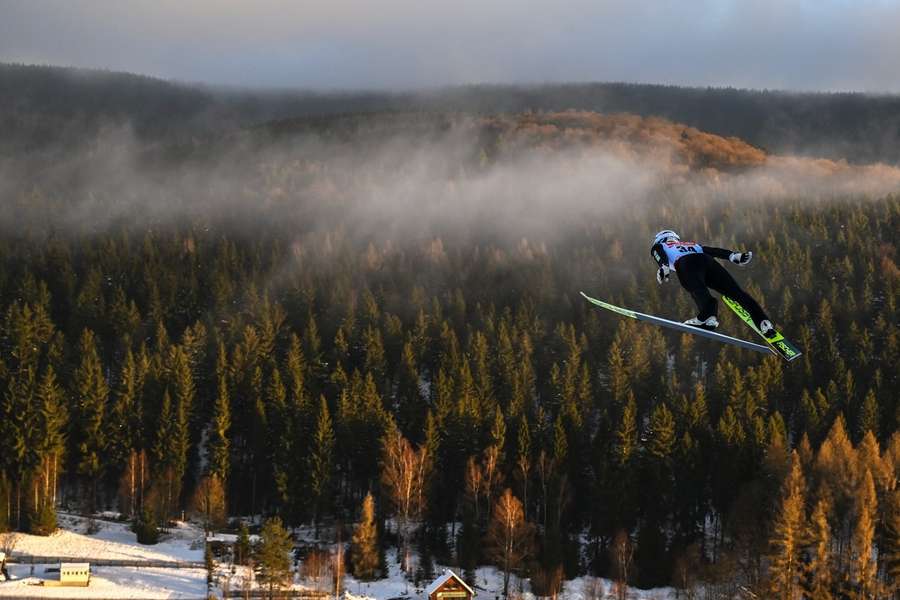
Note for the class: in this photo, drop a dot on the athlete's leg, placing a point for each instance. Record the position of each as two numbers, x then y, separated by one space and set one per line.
721 280
692 275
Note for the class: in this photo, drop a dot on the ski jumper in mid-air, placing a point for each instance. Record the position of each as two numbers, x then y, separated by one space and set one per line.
698 271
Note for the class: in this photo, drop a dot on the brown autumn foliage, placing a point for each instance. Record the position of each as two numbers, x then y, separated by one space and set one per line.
626 135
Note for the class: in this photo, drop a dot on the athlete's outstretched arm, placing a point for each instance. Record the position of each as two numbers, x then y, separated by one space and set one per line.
717 252
738 258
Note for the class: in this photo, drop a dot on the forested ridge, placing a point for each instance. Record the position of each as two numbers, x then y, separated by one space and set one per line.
270 354
41 106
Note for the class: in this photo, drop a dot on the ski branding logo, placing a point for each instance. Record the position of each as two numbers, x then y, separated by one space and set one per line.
788 352
782 346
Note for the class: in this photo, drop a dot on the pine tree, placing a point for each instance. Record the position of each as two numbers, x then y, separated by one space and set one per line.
91 393
218 443
890 554
626 433
821 565
868 416
273 556
787 535
321 461
863 566
364 546
50 448
121 421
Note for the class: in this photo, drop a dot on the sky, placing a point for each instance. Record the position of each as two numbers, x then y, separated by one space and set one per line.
818 45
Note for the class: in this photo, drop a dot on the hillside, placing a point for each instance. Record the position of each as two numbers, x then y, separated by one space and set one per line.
281 319
40 104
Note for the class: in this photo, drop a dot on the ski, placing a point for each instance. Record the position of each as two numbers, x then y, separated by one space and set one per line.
680 326
780 345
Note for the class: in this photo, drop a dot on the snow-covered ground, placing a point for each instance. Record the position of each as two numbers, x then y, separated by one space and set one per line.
109 582
489 585
113 541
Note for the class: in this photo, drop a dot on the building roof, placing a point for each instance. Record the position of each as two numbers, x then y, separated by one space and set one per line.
447 576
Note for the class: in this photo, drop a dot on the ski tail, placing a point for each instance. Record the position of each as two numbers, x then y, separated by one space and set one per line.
679 326
780 345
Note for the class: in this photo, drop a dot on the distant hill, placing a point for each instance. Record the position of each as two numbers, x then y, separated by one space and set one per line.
41 105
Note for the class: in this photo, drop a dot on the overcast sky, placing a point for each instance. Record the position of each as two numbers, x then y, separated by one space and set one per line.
390 44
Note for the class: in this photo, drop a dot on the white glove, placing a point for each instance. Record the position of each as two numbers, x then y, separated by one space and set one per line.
663 274
740 258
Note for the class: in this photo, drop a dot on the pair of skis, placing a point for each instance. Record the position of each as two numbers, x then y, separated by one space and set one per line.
777 344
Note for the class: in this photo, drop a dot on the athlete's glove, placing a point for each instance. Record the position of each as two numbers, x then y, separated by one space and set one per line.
740 258
662 274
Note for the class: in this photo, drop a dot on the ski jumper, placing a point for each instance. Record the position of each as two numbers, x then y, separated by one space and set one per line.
698 271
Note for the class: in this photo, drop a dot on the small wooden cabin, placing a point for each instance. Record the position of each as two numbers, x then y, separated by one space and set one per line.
449 585
74 574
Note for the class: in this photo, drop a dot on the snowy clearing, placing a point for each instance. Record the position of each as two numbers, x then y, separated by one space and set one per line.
114 541
109 582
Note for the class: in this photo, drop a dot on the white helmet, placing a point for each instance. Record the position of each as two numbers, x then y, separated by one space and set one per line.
664 235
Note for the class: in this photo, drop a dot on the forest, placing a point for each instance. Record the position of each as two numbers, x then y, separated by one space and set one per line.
43 107
319 319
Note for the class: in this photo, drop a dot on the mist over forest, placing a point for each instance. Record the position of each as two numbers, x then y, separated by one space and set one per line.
267 303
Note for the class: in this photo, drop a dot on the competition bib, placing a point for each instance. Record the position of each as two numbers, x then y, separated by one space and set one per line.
675 250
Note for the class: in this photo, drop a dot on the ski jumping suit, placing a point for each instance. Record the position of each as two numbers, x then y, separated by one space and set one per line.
698 270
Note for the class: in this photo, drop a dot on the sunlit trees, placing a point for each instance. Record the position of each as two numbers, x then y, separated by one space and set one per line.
403 474
364 546
510 538
785 569
273 556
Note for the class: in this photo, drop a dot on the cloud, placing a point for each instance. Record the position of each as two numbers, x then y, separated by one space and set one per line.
796 44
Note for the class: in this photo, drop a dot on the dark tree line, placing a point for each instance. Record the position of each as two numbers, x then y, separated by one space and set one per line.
142 367
263 360
40 105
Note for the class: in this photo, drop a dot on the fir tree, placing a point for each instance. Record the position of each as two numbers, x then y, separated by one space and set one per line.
91 393
321 461
218 442
273 557
863 566
787 536
364 546
821 566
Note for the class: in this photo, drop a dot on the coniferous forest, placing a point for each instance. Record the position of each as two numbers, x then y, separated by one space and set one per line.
373 320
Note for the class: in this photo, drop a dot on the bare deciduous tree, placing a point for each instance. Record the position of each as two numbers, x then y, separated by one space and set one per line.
510 539
623 556
209 502
317 568
592 588
404 472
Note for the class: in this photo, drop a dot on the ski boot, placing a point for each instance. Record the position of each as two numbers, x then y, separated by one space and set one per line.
767 329
709 324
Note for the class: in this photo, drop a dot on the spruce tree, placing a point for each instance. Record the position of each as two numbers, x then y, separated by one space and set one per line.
863 565
820 568
785 569
218 442
91 392
364 551
321 462
273 556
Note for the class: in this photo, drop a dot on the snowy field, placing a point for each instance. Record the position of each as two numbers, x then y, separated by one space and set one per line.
115 541
109 582
489 585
